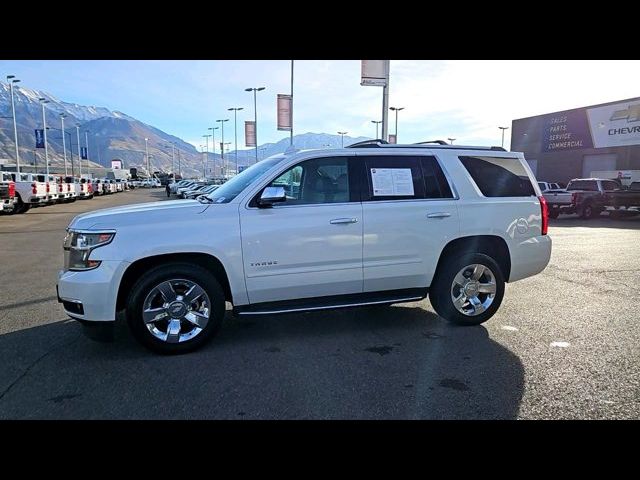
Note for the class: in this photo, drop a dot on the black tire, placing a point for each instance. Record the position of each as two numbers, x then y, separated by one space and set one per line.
588 211
154 277
440 290
554 213
21 207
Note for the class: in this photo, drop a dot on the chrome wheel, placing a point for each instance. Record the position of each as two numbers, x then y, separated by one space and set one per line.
176 310
473 289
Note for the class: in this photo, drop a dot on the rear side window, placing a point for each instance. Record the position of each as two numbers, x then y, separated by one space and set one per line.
610 185
404 178
587 185
499 177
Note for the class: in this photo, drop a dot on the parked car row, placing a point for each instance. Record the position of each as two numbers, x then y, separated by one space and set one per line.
148 183
21 191
190 189
588 197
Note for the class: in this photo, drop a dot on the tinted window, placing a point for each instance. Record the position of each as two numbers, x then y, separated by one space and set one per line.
542 186
588 185
499 177
610 185
320 180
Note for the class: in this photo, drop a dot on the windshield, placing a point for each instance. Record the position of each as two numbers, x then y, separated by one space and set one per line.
237 184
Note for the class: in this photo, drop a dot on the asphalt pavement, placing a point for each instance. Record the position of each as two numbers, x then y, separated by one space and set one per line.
564 345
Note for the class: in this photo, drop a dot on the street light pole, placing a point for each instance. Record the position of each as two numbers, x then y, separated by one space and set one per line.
12 79
213 140
222 142
173 154
206 158
79 150
235 122
44 126
342 134
255 113
146 152
86 141
64 145
396 109
503 129
451 140
291 111
377 122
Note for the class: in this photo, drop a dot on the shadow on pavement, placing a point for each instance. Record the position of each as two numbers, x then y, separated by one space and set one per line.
602 221
385 362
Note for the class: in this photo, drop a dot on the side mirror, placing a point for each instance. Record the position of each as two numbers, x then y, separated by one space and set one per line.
271 195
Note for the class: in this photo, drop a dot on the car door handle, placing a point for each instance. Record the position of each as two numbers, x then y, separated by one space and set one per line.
439 215
338 221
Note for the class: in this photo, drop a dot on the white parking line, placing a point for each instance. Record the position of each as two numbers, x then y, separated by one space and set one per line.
559 344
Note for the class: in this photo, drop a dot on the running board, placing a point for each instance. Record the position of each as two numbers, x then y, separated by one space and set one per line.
333 302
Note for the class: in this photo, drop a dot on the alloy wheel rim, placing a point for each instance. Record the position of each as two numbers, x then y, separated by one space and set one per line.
473 289
176 310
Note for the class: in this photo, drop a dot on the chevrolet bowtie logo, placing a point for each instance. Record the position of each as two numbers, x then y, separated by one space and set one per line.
631 114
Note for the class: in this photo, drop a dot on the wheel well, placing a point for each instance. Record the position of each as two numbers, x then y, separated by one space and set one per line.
491 245
138 267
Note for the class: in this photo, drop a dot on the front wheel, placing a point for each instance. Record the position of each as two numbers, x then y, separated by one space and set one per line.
175 308
468 289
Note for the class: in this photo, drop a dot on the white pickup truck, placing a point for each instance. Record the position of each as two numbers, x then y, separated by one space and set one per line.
371 224
29 191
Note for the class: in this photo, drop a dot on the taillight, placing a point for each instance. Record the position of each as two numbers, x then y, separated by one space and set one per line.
12 189
48 188
89 188
68 187
574 198
544 209
60 187
34 189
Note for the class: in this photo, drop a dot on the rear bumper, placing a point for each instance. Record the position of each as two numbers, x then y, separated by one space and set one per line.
529 257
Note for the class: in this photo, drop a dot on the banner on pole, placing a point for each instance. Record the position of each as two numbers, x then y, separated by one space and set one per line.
39 138
83 153
284 112
374 73
250 133
392 138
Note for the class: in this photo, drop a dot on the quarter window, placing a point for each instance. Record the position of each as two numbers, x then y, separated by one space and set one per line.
499 177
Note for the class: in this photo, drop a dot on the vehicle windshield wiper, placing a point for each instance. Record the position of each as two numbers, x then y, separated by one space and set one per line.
204 199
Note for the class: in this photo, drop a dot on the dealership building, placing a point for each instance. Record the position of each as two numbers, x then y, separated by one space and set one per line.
560 146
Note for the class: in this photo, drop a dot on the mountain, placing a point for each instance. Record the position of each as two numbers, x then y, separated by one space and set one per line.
114 134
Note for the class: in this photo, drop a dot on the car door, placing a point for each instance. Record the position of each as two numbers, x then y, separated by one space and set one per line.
409 215
311 244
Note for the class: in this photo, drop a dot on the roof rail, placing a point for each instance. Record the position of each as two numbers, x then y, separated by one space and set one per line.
368 143
436 145
439 142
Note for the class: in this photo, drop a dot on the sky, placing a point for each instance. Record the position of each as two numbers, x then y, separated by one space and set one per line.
463 99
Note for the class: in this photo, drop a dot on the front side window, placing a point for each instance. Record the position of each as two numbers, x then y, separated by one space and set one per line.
319 180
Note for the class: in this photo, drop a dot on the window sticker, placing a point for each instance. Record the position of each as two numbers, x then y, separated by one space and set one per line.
392 182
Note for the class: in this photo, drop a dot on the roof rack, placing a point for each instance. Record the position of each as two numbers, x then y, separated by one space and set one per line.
439 142
434 144
368 143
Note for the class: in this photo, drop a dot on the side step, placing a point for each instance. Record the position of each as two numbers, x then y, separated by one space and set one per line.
335 301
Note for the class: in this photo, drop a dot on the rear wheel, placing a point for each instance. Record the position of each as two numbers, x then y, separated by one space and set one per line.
175 308
468 288
588 211
21 207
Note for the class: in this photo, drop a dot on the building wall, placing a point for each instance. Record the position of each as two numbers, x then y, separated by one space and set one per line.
562 166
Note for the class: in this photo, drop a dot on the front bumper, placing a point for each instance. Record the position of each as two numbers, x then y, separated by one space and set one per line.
95 290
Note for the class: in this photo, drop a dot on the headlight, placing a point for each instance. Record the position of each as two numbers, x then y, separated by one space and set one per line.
78 246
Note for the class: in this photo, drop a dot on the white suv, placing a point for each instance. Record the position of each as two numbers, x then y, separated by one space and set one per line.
316 229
